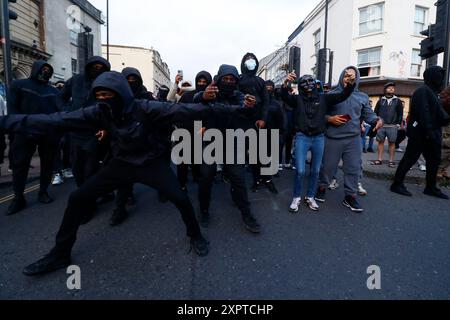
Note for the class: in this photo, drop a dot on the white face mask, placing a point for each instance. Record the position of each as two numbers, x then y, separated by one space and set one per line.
251 64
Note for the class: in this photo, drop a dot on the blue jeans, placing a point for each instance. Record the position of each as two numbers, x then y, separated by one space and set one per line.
304 144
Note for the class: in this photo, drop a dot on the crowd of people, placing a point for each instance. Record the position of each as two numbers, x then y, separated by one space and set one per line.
106 130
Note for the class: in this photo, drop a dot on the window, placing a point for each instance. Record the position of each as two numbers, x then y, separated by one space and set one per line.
74 66
371 19
317 39
420 20
369 62
416 64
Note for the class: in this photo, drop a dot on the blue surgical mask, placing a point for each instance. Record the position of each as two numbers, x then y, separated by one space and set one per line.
251 64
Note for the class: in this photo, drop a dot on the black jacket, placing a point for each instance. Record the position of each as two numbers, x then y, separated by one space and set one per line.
135 137
391 118
251 84
31 96
142 92
76 95
427 116
310 112
188 97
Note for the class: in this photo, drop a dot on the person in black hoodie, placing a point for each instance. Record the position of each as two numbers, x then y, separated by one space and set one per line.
125 193
426 119
275 121
163 92
76 95
202 81
224 90
138 156
32 96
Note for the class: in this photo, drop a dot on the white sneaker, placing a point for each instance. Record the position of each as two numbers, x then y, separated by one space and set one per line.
334 185
280 168
423 168
399 150
288 166
312 204
361 191
295 206
57 180
67 174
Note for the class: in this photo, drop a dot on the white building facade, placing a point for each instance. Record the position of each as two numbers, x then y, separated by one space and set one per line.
65 21
155 72
381 38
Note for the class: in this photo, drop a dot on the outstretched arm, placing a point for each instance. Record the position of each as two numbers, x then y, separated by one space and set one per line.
332 99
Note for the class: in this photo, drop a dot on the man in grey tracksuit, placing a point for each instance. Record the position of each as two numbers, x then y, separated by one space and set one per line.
343 141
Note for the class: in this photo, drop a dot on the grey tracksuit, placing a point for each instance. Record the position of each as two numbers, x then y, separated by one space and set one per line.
344 142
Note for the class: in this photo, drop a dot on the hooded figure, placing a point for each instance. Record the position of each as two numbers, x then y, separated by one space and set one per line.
85 150
163 92
32 96
137 86
426 119
251 84
188 97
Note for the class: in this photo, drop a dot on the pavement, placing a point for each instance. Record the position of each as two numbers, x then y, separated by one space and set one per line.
309 255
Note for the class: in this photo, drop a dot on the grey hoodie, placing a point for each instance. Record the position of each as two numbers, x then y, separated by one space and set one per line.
357 106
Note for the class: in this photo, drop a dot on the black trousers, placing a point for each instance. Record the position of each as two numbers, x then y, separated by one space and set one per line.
400 138
2 148
22 150
183 173
431 150
85 164
62 159
116 173
124 193
239 192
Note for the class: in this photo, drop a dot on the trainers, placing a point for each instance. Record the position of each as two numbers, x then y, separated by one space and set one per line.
399 150
288 166
255 187
271 187
67 174
334 185
423 168
351 203
51 262
44 198
361 191
200 246
251 224
57 180
17 205
120 214
312 204
280 168
435 192
321 195
295 206
401 190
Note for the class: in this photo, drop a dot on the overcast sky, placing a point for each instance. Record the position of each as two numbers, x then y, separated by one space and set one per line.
200 35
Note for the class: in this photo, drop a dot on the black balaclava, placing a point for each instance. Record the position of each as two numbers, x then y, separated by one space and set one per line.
307 84
94 74
434 78
226 89
135 86
115 104
272 84
201 88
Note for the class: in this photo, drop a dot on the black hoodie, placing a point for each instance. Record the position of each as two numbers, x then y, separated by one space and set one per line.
275 119
250 83
31 96
188 97
135 135
142 92
427 116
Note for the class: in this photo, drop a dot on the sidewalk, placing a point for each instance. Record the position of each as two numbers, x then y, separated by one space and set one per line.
6 176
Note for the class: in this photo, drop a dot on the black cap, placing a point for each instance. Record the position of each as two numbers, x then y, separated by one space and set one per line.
389 84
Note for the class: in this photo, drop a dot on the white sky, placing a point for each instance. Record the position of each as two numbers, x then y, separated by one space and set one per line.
195 35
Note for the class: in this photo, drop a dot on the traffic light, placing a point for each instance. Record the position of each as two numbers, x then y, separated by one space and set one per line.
436 34
322 61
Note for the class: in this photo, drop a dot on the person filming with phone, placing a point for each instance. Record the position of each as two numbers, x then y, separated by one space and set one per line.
343 140
310 110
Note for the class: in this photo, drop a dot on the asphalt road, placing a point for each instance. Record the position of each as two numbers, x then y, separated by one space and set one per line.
321 255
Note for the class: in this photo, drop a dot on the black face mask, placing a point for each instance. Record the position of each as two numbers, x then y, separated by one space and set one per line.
135 86
45 76
307 85
227 89
116 105
201 88
94 74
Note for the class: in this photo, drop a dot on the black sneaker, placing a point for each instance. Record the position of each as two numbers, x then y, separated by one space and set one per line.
401 190
321 195
44 198
351 203
204 219
370 150
200 246
271 187
120 214
18 204
255 187
251 224
51 262
437 193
